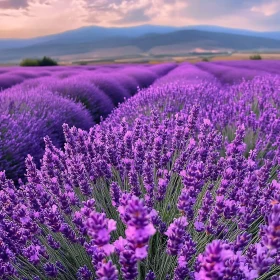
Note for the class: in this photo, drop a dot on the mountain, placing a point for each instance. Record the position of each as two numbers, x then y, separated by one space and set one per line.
94 33
145 39
219 29
20 43
90 33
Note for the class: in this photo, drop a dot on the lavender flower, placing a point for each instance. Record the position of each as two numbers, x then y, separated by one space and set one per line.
219 261
50 270
139 228
52 242
107 271
128 263
84 273
271 232
176 235
99 229
115 194
150 276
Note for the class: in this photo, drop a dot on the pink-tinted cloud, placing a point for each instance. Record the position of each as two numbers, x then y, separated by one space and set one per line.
26 18
13 4
268 9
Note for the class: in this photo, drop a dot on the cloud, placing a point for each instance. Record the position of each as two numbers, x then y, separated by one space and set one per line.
167 12
21 4
201 9
42 17
13 4
258 15
5 15
267 9
134 16
234 13
128 12
115 11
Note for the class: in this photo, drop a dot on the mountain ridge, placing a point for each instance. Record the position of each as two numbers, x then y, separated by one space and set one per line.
145 38
148 28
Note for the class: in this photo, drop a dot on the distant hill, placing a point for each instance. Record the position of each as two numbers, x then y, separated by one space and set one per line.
90 33
213 28
142 39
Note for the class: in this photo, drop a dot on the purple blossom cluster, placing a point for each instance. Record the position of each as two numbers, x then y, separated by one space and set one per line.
180 182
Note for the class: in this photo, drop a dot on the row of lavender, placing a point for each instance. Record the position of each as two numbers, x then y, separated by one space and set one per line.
180 182
10 76
225 71
37 107
229 72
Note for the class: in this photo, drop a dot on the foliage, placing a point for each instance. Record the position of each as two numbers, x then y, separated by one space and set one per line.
30 62
256 57
82 63
45 61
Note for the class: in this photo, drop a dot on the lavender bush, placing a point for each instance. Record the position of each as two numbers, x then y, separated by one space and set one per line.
110 86
12 76
128 83
163 69
144 77
229 75
96 102
66 74
26 117
9 79
185 73
269 66
108 77
180 182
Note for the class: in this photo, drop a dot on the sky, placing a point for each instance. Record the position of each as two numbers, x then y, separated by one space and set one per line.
31 18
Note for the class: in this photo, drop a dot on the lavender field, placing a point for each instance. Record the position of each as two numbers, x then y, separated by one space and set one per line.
168 171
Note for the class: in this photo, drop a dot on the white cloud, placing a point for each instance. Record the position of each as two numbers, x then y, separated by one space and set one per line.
267 9
40 17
